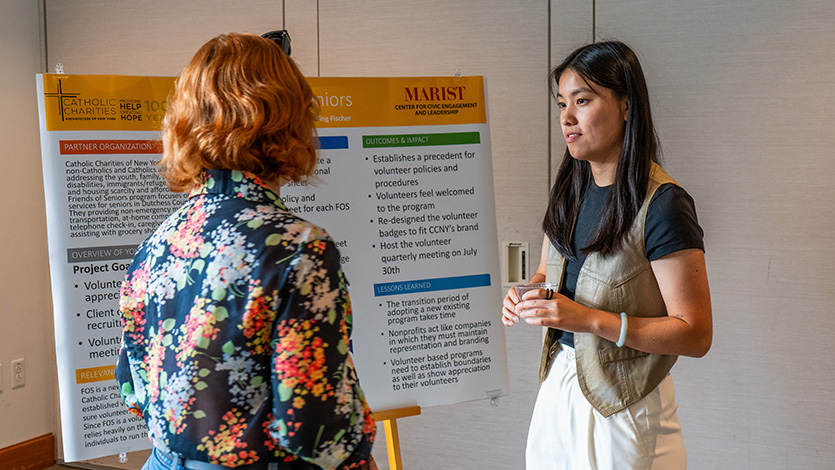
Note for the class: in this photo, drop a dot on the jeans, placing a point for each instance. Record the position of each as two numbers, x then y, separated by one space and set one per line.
159 462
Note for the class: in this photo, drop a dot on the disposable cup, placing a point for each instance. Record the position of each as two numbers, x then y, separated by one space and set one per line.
522 288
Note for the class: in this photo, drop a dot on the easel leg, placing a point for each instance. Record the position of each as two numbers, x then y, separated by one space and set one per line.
389 420
393 444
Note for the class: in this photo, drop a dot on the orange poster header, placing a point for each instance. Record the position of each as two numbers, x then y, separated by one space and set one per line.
95 374
105 102
134 103
402 101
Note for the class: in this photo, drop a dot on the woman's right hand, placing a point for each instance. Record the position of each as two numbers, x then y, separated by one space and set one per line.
509 317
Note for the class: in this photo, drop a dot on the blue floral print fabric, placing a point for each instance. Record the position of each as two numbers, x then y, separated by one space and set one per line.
236 324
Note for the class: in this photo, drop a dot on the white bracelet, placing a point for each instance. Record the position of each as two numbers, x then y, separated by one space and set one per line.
623 325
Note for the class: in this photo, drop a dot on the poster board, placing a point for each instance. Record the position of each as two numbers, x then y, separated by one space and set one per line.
410 155
406 190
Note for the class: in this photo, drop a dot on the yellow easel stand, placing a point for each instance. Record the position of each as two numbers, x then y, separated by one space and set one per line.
389 419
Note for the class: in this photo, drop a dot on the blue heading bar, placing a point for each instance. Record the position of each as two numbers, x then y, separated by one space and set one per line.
333 142
428 285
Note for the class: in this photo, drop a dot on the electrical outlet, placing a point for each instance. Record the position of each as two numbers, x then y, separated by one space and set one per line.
18 373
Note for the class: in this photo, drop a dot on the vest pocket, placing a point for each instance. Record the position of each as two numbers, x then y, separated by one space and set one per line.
619 354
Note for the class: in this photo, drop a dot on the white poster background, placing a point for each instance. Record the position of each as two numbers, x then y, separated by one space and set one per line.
86 272
439 344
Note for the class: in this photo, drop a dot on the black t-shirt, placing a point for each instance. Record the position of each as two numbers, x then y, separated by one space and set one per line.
671 226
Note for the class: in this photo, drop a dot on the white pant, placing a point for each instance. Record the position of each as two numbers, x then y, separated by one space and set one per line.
566 433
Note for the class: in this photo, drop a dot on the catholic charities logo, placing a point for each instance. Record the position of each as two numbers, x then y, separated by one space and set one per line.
77 107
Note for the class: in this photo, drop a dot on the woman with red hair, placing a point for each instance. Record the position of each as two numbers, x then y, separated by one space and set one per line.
235 312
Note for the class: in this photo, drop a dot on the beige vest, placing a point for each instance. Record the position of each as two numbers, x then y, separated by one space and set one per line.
613 378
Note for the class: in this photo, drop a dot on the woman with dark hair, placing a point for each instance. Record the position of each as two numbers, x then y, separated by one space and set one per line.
623 245
235 312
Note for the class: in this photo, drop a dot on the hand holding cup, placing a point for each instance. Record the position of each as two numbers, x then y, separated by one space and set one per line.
516 294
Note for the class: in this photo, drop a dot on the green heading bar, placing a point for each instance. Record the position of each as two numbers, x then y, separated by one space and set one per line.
420 140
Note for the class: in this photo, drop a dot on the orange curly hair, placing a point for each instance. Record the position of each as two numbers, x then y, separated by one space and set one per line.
240 104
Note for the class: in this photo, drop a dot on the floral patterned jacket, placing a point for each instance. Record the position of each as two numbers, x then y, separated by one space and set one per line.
236 324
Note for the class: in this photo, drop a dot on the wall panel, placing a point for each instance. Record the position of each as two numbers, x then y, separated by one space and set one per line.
154 37
572 26
744 98
302 22
25 303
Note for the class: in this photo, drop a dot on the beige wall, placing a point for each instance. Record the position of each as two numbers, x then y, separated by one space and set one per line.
744 101
25 302
744 96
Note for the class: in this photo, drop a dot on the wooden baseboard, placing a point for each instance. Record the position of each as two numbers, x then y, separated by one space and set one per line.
34 454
